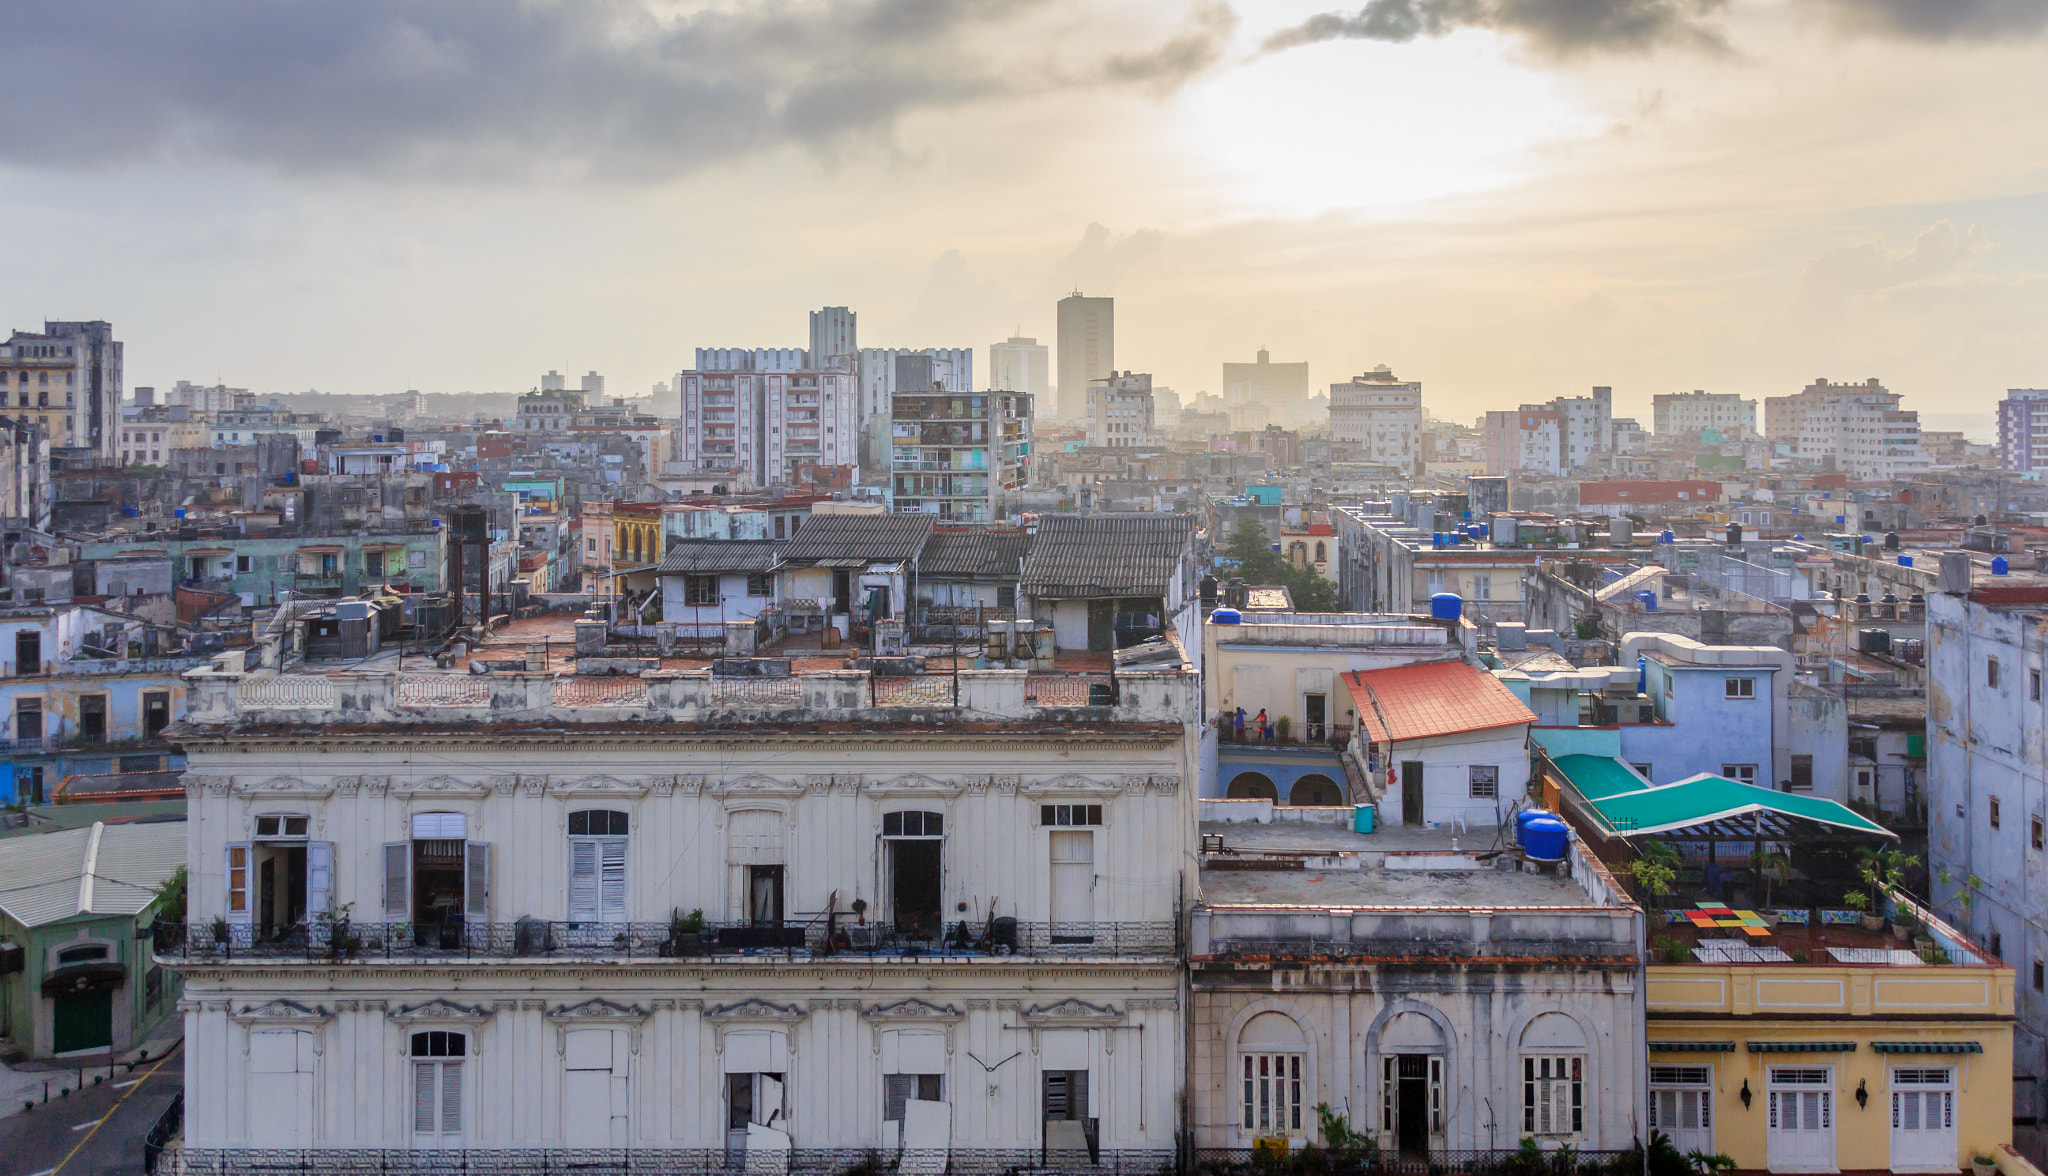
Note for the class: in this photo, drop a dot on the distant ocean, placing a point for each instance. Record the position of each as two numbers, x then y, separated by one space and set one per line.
1976 426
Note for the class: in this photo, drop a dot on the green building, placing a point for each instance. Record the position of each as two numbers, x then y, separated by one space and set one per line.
74 976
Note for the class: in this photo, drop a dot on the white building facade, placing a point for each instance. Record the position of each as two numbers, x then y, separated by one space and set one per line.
1683 413
1381 414
1120 411
1020 364
764 424
698 916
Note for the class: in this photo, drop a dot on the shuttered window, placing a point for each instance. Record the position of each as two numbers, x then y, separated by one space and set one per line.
437 1084
1272 1093
898 1089
1553 1095
597 866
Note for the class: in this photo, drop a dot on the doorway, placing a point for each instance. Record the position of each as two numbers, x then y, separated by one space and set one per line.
437 891
1411 1103
1315 718
842 591
1923 1119
1411 792
280 888
1073 887
82 1020
596 1102
1101 625
764 896
914 887
1801 1132
28 653
92 718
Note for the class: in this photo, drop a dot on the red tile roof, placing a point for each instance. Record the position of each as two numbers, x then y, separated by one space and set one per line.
1433 698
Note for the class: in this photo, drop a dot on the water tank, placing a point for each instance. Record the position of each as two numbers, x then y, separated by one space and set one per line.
1891 540
1446 606
1646 598
1226 616
1981 520
1905 561
178 513
1998 566
128 512
1734 534
1667 537
1621 532
1545 839
1874 641
1527 815
1798 538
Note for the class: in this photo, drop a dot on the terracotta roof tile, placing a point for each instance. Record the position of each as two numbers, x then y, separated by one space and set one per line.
1433 698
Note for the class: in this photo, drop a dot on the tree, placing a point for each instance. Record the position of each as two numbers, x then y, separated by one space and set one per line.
1258 563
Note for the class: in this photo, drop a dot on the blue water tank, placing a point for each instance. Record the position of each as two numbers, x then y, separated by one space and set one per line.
1999 567
1545 839
1446 606
1646 598
1527 815
179 513
1666 537
1799 538
1361 818
1226 616
1905 561
128 512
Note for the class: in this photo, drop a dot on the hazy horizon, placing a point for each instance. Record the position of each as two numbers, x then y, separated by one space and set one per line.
1507 202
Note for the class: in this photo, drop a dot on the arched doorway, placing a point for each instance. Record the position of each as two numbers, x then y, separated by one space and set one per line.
1315 790
1252 786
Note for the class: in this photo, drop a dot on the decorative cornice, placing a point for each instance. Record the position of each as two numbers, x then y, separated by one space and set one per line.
209 785
913 1009
598 786
440 1009
442 787
913 784
756 784
1074 784
1071 1011
598 1009
289 787
755 1009
282 1012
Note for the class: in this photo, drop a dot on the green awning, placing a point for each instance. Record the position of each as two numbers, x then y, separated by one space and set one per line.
1926 1047
1692 1047
1597 777
1802 1047
1691 805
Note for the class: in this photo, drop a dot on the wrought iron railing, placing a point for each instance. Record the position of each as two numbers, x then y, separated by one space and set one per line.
668 1161
162 1132
1372 1161
411 942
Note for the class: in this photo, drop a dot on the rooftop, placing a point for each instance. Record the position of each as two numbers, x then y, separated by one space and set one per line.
100 869
1431 699
1326 864
1106 554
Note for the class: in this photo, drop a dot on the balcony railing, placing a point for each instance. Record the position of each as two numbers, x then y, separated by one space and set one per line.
640 1161
537 939
1563 1161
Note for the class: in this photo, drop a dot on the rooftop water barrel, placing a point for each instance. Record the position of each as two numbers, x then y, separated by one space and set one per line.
1446 606
1905 561
128 512
1545 839
1999 567
1647 599
179 513
1226 616
1527 815
1667 537
1361 818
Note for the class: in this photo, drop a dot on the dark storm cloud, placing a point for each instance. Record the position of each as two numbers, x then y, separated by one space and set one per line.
460 88
1940 20
1559 27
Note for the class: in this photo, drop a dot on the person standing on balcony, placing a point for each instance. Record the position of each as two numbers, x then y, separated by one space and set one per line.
1265 727
1238 725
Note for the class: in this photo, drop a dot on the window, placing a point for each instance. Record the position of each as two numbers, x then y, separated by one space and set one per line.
1485 781
1863 747
92 717
28 719
898 1089
1642 770
760 584
2037 975
1482 586
156 712
153 987
2033 685
1272 1094
281 826
913 824
437 1083
238 879
597 866
1553 1096
241 563
2038 834
592 548
1739 687
1742 773
1991 672
1994 812
700 591
84 954
1069 814
1802 774
778 527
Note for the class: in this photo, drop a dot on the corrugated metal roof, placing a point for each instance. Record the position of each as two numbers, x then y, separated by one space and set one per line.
979 554
44 878
720 555
1706 798
1432 698
1598 777
1106 555
867 538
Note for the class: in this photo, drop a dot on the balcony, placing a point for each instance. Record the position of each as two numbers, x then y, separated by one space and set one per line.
800 1161
537 940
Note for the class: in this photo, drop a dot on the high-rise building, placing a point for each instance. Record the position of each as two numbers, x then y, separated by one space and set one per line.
833 335
1020 365
593 388
1858 428
1380 414
554 381
68 380
956 453
1280 388
1087 343
765 422
1684 413
1120 410
2023 429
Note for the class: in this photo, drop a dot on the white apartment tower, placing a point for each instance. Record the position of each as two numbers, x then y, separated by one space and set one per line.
763 422
1380 414
1020 364
1859 428
68 380
1687 413
833 335
1087 351
1121 410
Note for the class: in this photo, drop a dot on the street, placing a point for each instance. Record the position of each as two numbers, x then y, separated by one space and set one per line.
96 1131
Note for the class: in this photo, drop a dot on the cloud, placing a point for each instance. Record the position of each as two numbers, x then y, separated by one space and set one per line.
1850 273
1940 20
1102 261
478 88
1558 28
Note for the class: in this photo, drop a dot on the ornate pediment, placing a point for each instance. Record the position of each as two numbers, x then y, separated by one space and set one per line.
833 782
598 786
754 1010
445 787
287 1012
756 784
913 1009
914 784
598 1009
1071 1011
290 786
210 785
439 1009
1074 784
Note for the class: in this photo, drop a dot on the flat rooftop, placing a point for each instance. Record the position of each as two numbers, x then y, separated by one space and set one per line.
1292 863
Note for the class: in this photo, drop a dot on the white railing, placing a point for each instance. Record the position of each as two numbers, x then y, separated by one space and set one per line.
594 691
289 692
425 690
756 692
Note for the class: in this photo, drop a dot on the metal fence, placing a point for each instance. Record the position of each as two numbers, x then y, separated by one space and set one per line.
1526 1161
162 1132
667 1162
349 940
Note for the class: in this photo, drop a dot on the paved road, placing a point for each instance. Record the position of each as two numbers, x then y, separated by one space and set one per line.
95 1132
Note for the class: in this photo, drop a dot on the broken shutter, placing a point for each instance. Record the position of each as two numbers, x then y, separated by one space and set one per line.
397 881
611 880
476 881
425 1084
239 905
319 877
896 1090
582 880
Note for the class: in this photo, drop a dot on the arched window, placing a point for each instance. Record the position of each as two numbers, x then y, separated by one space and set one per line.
1316 791
1272 1072
1554 1085
1252 786
437 1084
597 866
1322 552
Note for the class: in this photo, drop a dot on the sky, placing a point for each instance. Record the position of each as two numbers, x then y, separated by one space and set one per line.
1507 200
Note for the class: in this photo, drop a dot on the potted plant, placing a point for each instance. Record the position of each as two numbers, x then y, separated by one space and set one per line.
1904 926
1860 903
220 931
685 933
1281 727
1776 865
1983 1166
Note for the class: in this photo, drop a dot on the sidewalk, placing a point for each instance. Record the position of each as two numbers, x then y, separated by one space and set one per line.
27 1080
